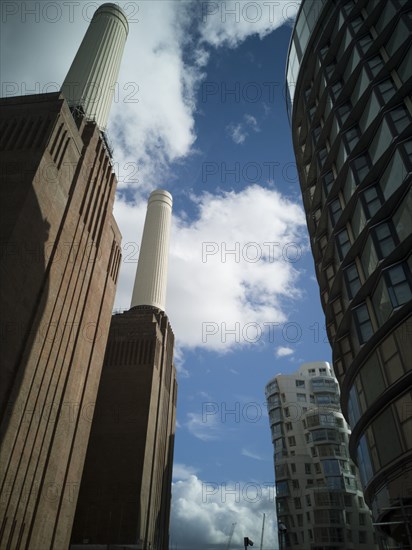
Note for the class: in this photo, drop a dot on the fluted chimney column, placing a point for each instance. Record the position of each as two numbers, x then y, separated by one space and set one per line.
92 77
151 275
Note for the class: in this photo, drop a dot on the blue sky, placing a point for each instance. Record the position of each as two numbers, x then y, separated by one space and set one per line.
200 110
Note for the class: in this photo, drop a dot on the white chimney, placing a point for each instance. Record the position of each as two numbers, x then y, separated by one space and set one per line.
92 77
151 275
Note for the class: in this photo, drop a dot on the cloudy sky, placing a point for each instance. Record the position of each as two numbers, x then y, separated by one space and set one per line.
200 110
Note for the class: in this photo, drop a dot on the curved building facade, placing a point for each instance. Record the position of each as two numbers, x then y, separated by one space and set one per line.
319 498
349 80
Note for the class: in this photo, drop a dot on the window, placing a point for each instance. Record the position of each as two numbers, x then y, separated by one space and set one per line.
372 200
292 441
300 520
287 413
375 64
356 23
343 243
328 180
300 383
293 467
282 488
351 138
343 112
384 239
360 502
312 372
362 520
353 283
316 133
307 468
323 153
295 484
400 118
336 89
363 323
308 501
317 468
365 42
301 397
297 503
386 90
398 282
335 210
288 426
362 537
348 501
360 167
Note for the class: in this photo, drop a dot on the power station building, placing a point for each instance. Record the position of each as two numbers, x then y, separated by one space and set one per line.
349 76
59 267
319 497
125 494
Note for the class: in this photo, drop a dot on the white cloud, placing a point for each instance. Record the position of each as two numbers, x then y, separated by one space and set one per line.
230 22
181 471
237 133
159 129
203 512
252 122
210 289
251 454
282 351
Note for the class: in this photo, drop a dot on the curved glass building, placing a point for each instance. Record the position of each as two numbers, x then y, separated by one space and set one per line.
349 84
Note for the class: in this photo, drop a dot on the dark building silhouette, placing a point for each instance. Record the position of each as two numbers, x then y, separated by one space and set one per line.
125 492
349 77
60 257
126 485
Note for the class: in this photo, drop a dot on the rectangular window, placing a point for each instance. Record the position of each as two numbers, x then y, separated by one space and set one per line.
295 484
301 397
288 426
336 89
300 383
297 502
361 167
343 112
383 235
365 42
292 441
351 138
308 501
400 119
372 200
386 90
398 282
335 210
375 64
353 283
363 323
293 467
328 180
308 468
343 243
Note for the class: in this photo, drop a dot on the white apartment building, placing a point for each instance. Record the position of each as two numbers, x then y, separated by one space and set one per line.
320 504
